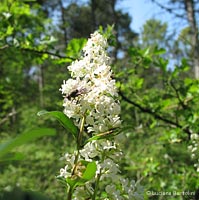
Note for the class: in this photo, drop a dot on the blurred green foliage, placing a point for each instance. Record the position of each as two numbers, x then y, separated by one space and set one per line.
160 108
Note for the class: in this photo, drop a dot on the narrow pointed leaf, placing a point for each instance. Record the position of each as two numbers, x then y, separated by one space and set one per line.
11 157
105 135
66 122
23 138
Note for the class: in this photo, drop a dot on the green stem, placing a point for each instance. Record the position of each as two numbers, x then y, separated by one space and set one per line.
70 194
79 138
79 141
96 186
98 178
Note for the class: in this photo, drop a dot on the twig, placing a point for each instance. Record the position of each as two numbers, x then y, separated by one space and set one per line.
8 116
37 51
45 52
156 115
170 10
178 95
3 47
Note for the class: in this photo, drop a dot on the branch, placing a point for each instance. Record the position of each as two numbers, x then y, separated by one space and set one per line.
178 95
45 52
7 117
156 115
38 52
170 10
4 47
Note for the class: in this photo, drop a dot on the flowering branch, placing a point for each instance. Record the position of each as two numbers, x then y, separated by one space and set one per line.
90 100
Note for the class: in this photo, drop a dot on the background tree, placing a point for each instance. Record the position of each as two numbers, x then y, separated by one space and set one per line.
34 55
186 10
159 105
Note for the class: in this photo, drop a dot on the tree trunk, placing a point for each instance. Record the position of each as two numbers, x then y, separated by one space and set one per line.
115 21
189 7
41 86
93 17
63 26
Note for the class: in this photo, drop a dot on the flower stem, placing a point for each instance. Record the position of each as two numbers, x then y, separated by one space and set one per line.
79 141
96 186
70 194
79 138
98 178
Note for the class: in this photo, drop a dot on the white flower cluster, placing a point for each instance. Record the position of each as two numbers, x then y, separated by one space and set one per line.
129 190
193 148
90 94
104 152
91 91
107 154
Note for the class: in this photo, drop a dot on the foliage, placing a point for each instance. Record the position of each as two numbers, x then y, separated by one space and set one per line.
159 99
164 121
23 138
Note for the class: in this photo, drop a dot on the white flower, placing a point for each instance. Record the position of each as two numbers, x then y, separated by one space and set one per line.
194 136
113 192
91 94
81 194
6 14
69 86
91 91
109 169
193 148
89 151
64 172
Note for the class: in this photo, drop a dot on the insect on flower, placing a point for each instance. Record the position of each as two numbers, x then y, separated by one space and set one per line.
76 93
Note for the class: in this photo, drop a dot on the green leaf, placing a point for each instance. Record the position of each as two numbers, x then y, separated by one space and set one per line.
72 182
89 173
74 47
159 51
9 30
11 157
66 122
146 52
23 138
109 134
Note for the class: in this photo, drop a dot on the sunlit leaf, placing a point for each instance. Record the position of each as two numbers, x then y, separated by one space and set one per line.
90 171
88 174
74 47
66 122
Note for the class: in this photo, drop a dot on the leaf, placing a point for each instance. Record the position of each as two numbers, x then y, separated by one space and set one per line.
146 52
159 51
11 157
109 134
90 171
74 47
88 174
10 30
66 122
24 138
72 182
